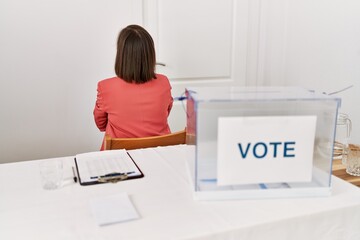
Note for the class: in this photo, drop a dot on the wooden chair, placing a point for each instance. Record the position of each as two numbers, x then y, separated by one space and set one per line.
145 142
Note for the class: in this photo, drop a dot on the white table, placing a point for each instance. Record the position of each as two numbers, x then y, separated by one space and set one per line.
164 200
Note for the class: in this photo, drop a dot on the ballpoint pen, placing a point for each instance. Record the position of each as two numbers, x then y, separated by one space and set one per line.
75 178
109 175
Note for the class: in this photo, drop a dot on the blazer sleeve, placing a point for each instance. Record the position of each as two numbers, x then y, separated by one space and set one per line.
170 105
171 101
100 116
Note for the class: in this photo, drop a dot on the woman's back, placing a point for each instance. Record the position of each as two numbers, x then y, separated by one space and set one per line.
134 110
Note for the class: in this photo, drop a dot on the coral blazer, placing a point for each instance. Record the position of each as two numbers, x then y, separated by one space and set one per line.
127 110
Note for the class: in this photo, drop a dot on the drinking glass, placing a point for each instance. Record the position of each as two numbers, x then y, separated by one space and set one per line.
51 172
353 160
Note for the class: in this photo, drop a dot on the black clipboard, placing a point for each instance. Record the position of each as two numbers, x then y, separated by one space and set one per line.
111 177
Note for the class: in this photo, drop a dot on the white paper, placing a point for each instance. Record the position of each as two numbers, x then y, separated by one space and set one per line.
94 164
113 209
235 166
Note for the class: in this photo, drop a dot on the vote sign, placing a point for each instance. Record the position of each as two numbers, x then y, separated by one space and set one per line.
265 149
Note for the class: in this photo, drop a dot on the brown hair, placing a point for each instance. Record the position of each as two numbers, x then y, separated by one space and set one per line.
135 56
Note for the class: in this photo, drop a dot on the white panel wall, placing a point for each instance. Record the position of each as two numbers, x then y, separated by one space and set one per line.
314 44
203 33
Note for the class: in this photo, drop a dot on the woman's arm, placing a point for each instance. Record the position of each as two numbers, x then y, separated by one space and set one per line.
100 116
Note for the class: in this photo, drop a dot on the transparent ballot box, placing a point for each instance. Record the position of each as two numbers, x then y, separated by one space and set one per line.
260 142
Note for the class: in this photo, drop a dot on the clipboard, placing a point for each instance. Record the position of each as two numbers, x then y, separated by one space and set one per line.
106 166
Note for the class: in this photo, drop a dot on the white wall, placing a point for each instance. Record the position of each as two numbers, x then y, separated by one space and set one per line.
314 44
324 53
53 53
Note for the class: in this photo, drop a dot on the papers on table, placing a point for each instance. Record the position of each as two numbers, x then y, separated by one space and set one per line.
113 209
94 167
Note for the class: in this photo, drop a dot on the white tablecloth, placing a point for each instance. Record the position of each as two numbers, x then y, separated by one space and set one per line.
165 203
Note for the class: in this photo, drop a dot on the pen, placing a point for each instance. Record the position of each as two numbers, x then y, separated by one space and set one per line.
75 178
112 175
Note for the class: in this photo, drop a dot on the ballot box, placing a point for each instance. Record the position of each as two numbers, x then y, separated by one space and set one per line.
260 142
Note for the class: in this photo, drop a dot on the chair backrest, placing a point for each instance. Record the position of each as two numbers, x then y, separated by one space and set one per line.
145 142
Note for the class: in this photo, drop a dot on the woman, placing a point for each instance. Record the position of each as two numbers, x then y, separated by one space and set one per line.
137 102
